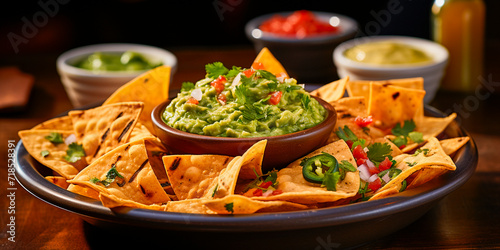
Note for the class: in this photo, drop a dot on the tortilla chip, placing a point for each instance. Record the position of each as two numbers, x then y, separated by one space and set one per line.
58 181
390 105
450 146
151 88
238 204
191 206
297 190
333 91
58 123
35 143
138 184
362 87
83 190
102 129
140 132
433 126
270 63
111 201
191 175
429 156
347 110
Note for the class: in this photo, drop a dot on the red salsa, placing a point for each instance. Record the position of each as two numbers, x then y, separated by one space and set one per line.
300 24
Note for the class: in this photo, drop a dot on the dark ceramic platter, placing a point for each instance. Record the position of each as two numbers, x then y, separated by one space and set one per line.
327 228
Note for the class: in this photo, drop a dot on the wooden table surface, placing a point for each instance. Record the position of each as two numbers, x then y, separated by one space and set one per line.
467 218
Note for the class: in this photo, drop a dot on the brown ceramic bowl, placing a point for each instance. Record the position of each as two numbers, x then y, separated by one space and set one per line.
280 150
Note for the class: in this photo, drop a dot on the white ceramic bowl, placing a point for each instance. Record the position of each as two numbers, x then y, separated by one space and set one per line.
431 72
87 87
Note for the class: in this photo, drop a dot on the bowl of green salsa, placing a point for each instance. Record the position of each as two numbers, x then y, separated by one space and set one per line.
233 108
91 73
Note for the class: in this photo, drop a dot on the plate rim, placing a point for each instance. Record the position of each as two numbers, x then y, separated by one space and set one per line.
33 182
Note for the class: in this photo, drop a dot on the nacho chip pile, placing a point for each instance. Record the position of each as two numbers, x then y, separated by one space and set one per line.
383 144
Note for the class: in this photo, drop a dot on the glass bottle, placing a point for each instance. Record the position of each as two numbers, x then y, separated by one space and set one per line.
459 26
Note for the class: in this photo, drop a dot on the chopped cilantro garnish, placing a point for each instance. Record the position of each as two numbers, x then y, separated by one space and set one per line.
229 207
74 153
377 152
215 190
187 86
346 134
111 176
55 138
406 132
305 99
44 153
215 69
421 150
411 164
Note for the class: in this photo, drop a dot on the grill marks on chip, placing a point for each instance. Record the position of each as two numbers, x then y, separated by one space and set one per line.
105 127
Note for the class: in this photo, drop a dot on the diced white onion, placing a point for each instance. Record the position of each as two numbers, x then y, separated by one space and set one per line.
196 94
70 139
373 178
366 149
281 77
370 164
267 193
386 177
364 173
236 80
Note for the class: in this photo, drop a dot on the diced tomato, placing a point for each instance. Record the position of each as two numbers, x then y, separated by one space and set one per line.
219 83
257 65
221 98
385 164
359 153
257 192
373 169
275 97
402 146
375 185
192 101
363 121
248 72
349 143
266 184
360 161
277 191
300 24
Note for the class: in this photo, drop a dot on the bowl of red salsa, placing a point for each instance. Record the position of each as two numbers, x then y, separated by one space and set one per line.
303 41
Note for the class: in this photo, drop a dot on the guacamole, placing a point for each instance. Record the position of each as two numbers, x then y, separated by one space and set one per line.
381 53
110 61
240 102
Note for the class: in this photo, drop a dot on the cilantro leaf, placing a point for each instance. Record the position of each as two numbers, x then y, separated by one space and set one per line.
330 180
347 166
229 207
187 86
44 153
55 138
74 153
346 134
408 126
215 69
233 71
111 176
416 137
377 152
305 99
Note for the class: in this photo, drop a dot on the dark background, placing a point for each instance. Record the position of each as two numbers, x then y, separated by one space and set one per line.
65 24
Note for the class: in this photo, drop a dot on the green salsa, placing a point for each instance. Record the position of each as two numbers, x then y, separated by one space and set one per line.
381 53
240 102
109 61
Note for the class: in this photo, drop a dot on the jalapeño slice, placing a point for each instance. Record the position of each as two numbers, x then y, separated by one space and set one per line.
314 168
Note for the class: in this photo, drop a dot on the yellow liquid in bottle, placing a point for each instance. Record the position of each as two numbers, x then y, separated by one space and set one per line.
459 26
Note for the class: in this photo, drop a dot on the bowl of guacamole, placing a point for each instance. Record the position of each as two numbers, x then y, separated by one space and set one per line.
91 73
232 108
